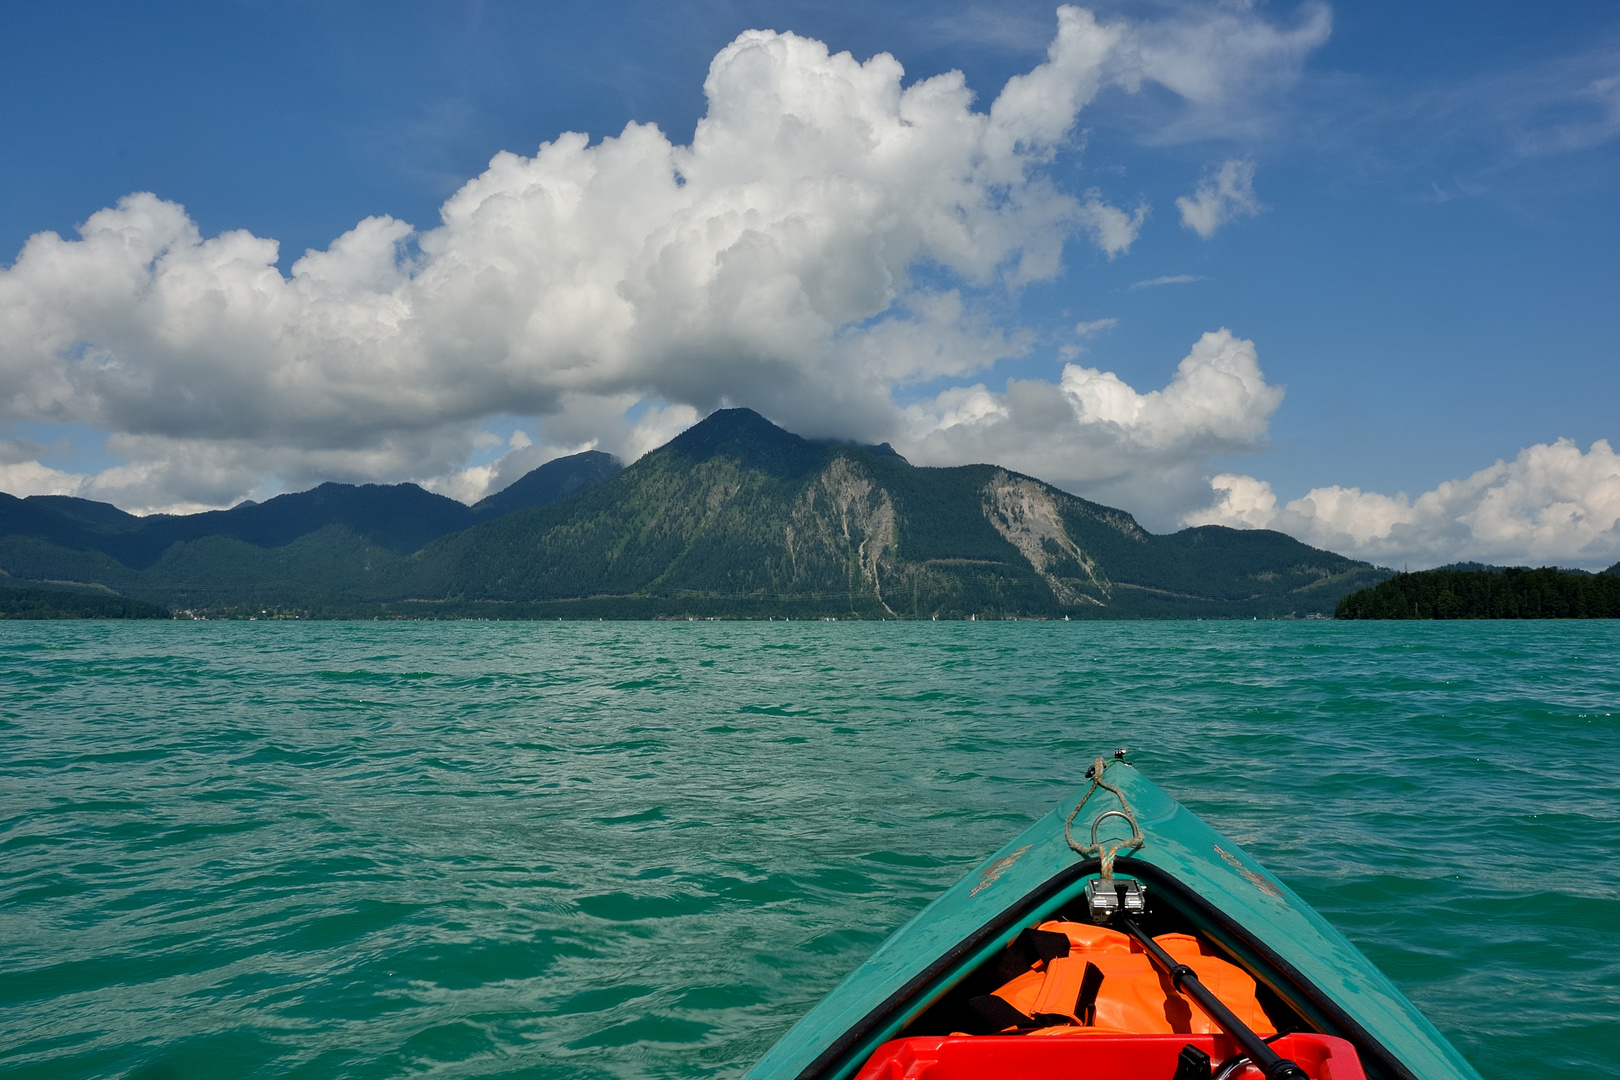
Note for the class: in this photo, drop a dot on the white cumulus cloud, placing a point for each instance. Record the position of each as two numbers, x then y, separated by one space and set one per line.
22 478
769 263
1552 504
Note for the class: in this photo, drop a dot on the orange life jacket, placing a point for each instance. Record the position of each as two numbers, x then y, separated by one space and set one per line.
1132 995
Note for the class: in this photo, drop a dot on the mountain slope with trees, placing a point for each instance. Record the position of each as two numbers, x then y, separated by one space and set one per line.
735 517
556 479
25 602
397 517
738 517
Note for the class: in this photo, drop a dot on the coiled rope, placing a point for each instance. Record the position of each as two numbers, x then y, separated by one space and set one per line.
1094 849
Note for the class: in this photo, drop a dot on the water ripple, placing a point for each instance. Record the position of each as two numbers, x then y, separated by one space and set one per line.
643 850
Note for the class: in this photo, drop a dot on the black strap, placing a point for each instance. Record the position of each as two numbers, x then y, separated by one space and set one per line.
1192 1064
1023 953
1027 949
1085 1003
995 1014
1049 945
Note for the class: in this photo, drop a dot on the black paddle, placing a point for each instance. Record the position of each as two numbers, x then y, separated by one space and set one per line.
1185 980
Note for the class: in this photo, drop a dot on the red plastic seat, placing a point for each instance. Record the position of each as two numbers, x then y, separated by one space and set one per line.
1090 1056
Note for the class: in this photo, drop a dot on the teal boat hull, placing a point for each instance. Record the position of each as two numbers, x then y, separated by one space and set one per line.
1231 898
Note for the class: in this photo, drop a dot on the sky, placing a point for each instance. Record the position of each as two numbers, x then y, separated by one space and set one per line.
1347 271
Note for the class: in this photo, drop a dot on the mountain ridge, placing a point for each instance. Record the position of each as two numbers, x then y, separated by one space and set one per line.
398 517
738 517
556 479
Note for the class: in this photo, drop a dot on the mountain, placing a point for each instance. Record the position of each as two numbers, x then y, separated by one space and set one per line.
554 480
398 518
738 517
735 517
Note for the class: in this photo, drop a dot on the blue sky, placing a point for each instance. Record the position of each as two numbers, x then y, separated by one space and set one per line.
1425 263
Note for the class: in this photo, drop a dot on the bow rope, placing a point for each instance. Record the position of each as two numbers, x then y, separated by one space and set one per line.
1095 849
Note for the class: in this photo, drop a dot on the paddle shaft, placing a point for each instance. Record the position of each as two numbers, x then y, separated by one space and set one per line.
1185 980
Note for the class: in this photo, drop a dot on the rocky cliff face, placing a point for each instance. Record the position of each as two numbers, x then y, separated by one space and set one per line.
1026 513
842 518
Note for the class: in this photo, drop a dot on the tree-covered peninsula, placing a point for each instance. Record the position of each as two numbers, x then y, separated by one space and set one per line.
1494 593
24 602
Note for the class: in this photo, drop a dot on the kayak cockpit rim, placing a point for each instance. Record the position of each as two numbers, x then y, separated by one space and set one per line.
844 1055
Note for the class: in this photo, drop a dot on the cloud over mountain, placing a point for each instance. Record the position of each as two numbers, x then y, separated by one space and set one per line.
1092 432
772 262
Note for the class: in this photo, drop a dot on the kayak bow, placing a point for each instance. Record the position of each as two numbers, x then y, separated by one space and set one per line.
1193 888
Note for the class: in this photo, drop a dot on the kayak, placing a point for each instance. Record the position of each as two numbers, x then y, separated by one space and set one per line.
1120 936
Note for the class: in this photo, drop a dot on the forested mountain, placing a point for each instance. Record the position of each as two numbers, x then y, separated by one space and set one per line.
396 517
554 480
737 517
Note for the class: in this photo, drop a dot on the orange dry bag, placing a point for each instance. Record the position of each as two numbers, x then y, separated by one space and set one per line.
1072 978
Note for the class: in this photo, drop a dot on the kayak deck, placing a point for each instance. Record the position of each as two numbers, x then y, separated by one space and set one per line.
1308 978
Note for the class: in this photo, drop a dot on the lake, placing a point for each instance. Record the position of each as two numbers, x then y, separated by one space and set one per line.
627 850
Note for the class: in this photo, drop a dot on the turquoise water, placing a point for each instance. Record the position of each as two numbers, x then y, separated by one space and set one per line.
643 850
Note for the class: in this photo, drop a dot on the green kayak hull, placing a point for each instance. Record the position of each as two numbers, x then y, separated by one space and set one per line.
1230 897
